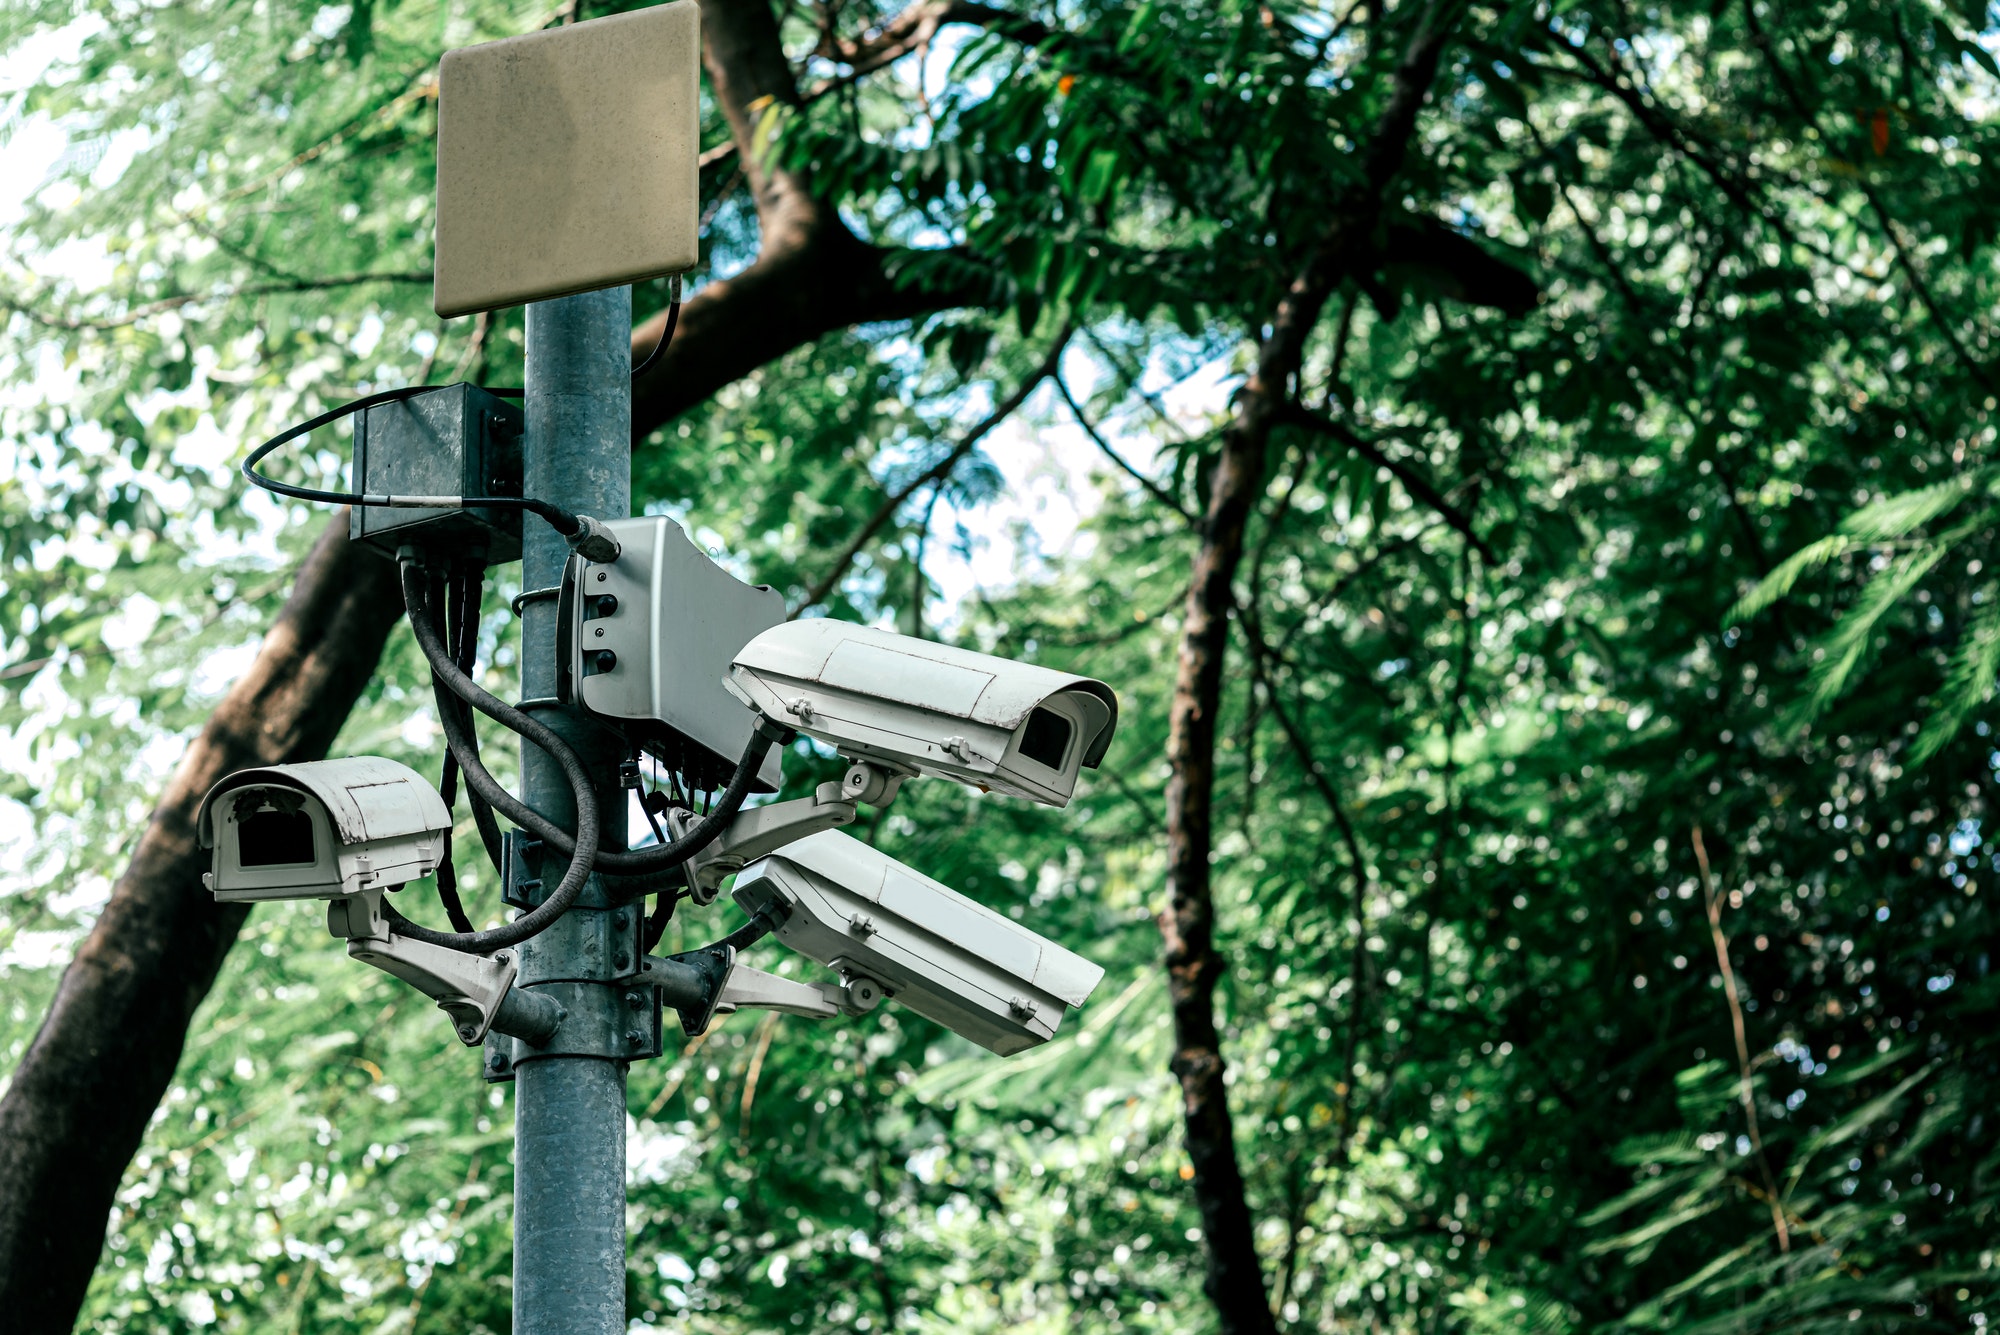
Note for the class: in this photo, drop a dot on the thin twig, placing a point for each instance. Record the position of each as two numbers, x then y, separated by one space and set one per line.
1744 1094
764 1032
937 473
174 303
679 1074
1454 713
451 1226
1316 772
1159 493
1420 488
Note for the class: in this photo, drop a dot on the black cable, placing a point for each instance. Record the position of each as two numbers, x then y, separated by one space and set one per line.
663 913
562 521
763 737
652 819
666 335
578 870
447 874
750 933
468 596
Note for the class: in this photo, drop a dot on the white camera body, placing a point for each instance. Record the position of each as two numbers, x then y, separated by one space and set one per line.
974 971
320 830
917 707
648 638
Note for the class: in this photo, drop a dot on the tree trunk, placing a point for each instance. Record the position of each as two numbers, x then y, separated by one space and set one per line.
83 1093
79 1102
1235 1279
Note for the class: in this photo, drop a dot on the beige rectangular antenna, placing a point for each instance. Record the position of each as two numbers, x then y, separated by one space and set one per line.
567 159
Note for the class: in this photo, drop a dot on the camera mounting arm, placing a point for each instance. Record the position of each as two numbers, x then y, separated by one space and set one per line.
476 991
702 984
758 832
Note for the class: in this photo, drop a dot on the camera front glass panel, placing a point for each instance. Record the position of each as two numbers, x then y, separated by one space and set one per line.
275 842
272 837
1047 749
1046 738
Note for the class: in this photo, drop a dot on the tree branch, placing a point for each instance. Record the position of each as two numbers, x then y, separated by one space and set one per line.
1745 1093
1234 1280
811 275
1419 487
1159 493
149 309
916 26
936 473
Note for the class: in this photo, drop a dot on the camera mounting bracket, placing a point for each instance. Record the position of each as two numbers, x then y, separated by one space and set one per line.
758 832
476 991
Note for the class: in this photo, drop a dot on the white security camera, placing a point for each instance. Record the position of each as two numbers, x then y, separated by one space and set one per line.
320 830
913 706
648 637
977 973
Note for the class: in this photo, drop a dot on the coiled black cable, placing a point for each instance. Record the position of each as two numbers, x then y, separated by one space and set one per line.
467 591
462 605
663 858
577 872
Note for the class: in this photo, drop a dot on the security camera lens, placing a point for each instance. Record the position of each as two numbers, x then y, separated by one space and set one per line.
1046 738
275 839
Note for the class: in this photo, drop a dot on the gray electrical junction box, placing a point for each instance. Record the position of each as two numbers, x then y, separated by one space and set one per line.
648 638
454 441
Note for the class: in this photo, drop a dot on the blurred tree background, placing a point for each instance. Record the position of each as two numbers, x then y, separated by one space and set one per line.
1604 740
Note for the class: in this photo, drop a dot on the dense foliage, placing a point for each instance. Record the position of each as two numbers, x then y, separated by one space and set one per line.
1607 741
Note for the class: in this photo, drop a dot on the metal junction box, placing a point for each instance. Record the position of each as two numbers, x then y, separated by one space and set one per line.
454 441
648 638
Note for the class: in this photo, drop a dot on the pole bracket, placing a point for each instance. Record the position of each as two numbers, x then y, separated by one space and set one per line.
476 991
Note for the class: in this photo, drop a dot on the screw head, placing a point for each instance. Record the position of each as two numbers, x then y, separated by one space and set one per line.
601 577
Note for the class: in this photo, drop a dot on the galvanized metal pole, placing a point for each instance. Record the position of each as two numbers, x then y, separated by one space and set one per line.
569 1105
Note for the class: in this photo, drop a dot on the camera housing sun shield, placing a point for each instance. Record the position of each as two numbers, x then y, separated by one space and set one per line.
949 959
646 639
320 830
918 707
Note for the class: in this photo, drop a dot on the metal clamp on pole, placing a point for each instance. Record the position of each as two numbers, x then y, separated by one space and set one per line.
476 991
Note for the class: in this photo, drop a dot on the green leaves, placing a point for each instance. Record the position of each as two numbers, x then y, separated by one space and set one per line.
1489 1083
1840 652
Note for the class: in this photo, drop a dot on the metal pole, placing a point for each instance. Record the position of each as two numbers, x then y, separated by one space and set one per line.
569 1110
